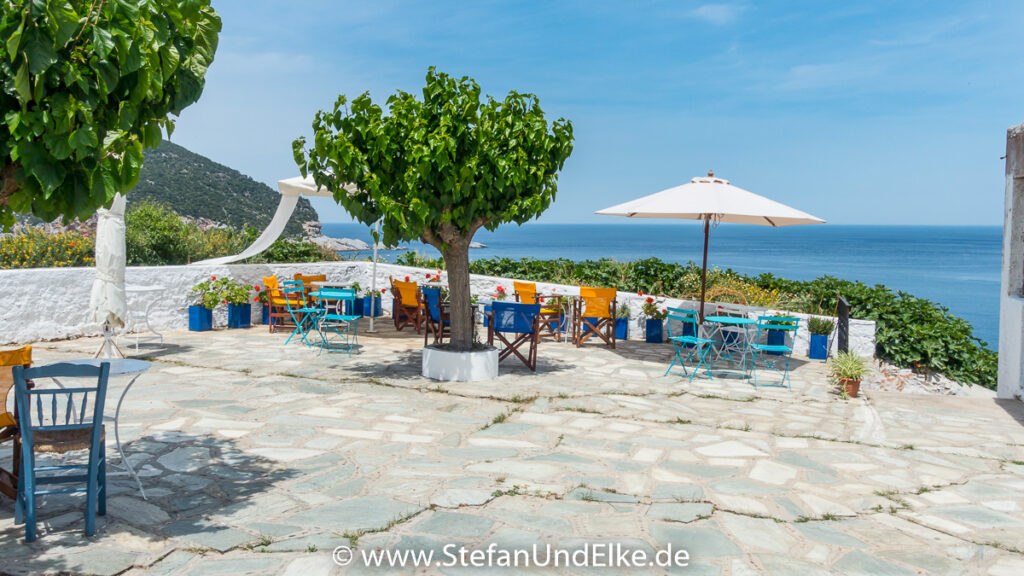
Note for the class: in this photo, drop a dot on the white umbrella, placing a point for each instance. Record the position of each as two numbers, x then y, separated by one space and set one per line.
107 305
711 199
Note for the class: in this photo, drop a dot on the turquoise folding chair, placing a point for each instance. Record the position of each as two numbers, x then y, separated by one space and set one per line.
696 349
59 420
338 329
774 353
303 314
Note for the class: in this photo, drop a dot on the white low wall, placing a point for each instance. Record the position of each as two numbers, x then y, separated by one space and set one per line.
53 303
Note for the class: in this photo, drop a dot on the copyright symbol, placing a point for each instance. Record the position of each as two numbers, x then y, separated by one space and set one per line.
342 555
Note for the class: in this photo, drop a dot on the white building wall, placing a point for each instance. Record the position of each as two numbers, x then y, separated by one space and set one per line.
52 303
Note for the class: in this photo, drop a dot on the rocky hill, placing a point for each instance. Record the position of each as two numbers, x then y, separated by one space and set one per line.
199 188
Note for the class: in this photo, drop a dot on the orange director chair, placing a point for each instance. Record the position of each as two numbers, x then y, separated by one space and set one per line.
594 314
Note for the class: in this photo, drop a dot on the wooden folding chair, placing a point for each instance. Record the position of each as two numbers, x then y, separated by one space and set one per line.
594 314
408 310
523 322
437 319
8 418
551 316
279 315
307 282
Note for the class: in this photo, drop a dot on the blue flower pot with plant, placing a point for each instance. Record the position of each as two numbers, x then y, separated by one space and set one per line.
654 329
371 306
200 318
239 315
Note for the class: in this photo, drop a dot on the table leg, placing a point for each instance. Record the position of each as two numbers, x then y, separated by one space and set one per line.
117 437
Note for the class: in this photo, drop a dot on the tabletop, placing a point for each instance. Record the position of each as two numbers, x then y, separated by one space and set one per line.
331 284
738 320
117 365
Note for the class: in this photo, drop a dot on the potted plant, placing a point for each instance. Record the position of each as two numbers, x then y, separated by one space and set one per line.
205 297
777 338
447 192
847 369
622 322
655 320
821 329
262 299
371 302
236 296
356 307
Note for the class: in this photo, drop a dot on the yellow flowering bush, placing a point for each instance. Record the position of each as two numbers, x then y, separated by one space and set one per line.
33 248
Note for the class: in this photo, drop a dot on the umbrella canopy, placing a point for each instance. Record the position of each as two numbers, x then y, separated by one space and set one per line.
107 305
711 199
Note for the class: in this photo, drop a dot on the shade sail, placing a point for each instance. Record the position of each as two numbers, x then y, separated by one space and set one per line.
291 189
712 198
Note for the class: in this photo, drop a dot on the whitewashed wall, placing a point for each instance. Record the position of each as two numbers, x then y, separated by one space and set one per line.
52 303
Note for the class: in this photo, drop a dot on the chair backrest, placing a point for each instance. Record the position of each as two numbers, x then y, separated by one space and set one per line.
335 298
432 296
8 360
294 294
526 292
514 316
734 310
51 408
407 292
597 302
307 281
270 282
686 317
780 323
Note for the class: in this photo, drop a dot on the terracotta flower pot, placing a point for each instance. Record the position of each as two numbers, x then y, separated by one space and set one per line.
850 385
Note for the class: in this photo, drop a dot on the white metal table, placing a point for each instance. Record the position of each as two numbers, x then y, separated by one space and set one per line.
154 289
121 367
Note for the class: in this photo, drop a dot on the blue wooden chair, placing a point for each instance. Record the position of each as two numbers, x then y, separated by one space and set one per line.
774 353
436 318
338 329
303 314
57 421
523 323
689 347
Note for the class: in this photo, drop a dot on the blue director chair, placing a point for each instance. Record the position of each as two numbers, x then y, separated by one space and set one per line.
338 329
688 342
437 319
303 314
774 353
523 323
57 421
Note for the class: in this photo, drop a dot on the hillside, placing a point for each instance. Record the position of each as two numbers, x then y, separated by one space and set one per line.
193 185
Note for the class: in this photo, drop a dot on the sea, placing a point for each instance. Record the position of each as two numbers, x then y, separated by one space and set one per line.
956 266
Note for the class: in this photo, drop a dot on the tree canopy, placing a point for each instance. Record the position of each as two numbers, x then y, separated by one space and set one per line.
440 168
85 86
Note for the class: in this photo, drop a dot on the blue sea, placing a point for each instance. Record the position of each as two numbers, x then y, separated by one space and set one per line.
957 266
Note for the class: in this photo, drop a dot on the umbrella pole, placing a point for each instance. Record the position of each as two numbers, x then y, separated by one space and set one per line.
704 268
373 279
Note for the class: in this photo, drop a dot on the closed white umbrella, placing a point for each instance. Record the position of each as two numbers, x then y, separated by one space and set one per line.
711 199
107 305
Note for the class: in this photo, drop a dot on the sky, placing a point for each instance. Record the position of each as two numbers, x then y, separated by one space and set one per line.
857 112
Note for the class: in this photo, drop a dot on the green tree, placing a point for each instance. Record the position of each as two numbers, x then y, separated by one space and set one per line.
439 169
85 86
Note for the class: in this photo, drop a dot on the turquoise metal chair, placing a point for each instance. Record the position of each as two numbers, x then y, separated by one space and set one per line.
437 319
303 314
774 355
523 323
688 342
59 420
338 329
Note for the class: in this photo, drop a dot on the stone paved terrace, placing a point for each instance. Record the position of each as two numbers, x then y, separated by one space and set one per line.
260 459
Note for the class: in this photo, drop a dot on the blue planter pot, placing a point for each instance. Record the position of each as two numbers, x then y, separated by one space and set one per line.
200 319
776 338
621 328
354 307
265 314
653 332
819 346
487 315
239 315
371 306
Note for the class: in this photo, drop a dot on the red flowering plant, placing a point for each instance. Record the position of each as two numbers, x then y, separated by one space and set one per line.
499 293
652 309
262 295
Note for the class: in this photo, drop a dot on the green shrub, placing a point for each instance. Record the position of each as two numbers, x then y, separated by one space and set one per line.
33 248
820 326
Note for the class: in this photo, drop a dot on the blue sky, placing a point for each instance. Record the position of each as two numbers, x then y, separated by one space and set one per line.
857 112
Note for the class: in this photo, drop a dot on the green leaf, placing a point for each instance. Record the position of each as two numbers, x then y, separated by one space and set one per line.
40 51
21 84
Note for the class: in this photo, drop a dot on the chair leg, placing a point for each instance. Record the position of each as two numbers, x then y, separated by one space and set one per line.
19 499
29 496
101 498
90 496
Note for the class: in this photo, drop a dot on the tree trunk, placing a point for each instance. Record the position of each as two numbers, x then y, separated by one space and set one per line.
8 183
456 259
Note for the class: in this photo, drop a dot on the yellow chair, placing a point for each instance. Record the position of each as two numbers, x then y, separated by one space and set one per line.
8 422
278 304
594 313
409 307
550 316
